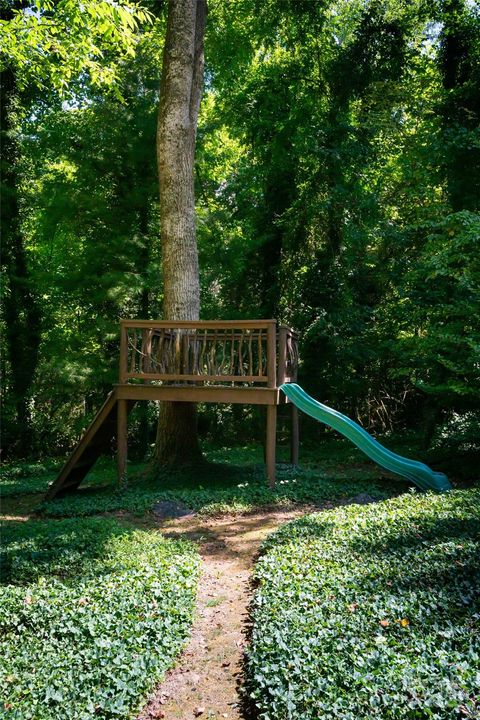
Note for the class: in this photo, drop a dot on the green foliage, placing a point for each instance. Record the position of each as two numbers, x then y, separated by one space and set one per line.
52 44
234 481
21 478
370 612
92 614
436 307
337 151
459 61
93 257
344 134
97 251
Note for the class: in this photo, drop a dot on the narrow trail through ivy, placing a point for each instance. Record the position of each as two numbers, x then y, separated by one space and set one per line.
206 679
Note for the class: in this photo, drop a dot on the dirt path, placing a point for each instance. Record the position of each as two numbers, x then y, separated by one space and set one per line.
204 682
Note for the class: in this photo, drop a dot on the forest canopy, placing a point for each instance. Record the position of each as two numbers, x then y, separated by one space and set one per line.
337 186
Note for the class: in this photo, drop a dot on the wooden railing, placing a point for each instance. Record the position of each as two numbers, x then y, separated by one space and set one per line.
229 351
287 355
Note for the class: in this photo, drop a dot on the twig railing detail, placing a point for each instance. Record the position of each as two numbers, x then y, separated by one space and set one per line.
207 352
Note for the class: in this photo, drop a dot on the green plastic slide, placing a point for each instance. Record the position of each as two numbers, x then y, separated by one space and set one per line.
417 472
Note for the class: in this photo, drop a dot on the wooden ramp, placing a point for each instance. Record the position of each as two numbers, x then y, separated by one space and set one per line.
96 441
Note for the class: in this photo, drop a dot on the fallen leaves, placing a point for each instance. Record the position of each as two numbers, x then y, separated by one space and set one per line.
403 622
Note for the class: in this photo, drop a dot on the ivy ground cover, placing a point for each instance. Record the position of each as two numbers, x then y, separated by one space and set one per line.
91 615
233 480
371 612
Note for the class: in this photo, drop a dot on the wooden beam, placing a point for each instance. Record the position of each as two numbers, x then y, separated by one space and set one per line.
294 435
200 324
282 355
271 441
123 354
179 377
272 354
217 394
122 448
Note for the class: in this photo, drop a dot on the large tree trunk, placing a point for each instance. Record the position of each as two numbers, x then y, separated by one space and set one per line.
20 305
460 105
180 94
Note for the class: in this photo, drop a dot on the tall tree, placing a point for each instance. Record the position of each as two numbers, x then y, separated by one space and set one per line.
180 94
21 307
459 63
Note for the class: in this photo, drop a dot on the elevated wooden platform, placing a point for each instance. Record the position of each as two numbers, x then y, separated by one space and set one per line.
202 362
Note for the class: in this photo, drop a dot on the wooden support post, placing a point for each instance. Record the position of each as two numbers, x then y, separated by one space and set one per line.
271 443
282 355
294 435
123 369
272 353
122 442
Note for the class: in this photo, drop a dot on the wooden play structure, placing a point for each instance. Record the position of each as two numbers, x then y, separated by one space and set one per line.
229 361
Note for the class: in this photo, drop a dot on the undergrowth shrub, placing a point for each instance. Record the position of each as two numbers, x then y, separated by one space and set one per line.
370 612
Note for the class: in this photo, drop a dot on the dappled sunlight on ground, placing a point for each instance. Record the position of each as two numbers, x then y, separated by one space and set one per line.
209 671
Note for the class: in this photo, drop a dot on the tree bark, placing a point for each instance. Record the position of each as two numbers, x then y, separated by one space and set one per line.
460 106
180 94
21 309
